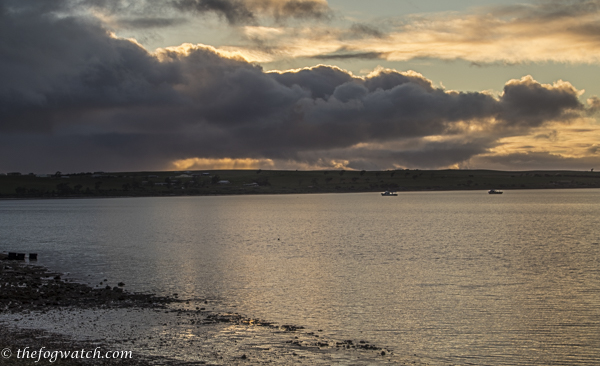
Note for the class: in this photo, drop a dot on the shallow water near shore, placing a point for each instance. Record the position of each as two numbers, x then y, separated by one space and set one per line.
452 277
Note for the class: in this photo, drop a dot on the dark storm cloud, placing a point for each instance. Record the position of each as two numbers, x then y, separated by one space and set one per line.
75 97
53 68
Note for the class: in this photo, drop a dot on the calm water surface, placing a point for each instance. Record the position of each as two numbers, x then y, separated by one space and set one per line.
460 277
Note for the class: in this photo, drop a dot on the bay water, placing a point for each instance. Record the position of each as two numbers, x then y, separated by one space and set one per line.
456 277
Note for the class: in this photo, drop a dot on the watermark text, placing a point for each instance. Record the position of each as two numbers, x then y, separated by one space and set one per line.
52 355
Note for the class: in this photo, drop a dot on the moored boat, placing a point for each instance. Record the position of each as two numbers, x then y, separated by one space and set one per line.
495 191
389 193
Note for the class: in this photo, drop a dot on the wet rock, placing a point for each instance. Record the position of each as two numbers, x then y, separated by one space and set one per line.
26 287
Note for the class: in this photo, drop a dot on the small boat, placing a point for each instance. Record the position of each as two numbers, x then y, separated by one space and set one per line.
495 191
389 193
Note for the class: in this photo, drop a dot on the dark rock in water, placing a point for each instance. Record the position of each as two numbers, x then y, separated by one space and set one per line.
383 353
243 357
121 284
107 287
33 256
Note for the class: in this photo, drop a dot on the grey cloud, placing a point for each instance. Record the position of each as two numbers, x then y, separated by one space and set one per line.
243 12
320 81
72 94
594 105
360 30
234 11
148 23
552 9
552 136
159 13
55 67
343 55
528 103
304 9
535 161
545 11
441 154
427 154
387 79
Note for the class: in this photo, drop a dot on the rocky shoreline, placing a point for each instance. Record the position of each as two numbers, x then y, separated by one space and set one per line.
26 288
29 293
29 287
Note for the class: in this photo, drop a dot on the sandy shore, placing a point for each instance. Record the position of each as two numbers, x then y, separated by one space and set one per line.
39 309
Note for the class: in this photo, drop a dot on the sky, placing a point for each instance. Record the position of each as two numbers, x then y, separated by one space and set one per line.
142 85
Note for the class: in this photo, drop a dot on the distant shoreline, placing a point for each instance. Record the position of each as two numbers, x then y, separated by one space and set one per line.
258 182
275 194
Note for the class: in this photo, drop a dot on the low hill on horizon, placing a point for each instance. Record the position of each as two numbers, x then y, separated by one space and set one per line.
223 182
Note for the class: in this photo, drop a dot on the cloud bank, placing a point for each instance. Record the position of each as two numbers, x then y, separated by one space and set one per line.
545 31
76 97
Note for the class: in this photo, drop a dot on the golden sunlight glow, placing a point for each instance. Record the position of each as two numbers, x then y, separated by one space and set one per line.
579 139
475 37
186 49
223 163
263 32
560 85
308 68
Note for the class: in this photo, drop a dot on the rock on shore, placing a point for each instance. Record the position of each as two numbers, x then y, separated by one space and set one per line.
159 330
28 287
